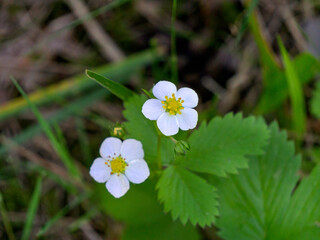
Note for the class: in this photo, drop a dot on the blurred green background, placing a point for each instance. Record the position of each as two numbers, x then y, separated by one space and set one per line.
257 57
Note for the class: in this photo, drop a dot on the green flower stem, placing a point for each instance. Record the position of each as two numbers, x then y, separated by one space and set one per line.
173 139
158 147
159 152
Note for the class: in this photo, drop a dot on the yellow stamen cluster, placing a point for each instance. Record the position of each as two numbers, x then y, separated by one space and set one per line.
117 164
172 105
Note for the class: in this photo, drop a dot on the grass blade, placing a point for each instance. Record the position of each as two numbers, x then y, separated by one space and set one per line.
77 22
5 219
116 88
174 58
267 56
245 22
75 202
32 209
58 147
81 83
295 92
77 106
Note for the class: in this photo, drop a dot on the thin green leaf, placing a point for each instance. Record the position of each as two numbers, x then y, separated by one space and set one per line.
295 92
116 88
225 143
267 56
187 196
32 209
59 148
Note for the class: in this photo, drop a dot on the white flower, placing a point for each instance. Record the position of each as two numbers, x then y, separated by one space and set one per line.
172 109
121 162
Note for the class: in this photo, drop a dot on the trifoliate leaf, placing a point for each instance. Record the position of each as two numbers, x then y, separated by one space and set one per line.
144 130
187 196
258 204
315 101
225 143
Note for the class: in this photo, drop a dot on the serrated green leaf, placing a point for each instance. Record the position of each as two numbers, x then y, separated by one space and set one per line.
315 101
223 146
188 196
303 214
295 92
258 204
116 88
144 130
253 203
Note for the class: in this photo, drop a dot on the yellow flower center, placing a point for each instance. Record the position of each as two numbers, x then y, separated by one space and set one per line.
118 165
172 105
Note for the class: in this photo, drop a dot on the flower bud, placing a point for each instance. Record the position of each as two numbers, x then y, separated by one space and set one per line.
181 147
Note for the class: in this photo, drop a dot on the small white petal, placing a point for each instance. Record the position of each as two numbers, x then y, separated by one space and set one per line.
137 171
131 149
187 119
168 124
110 147
189 96
163 89
99 170
118 185
152 109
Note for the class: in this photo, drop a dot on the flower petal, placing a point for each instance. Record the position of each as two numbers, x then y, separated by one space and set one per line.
131 149
118 185
137 171
189 96
99 170
164 88
152 109
187 119
110 147
168 124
